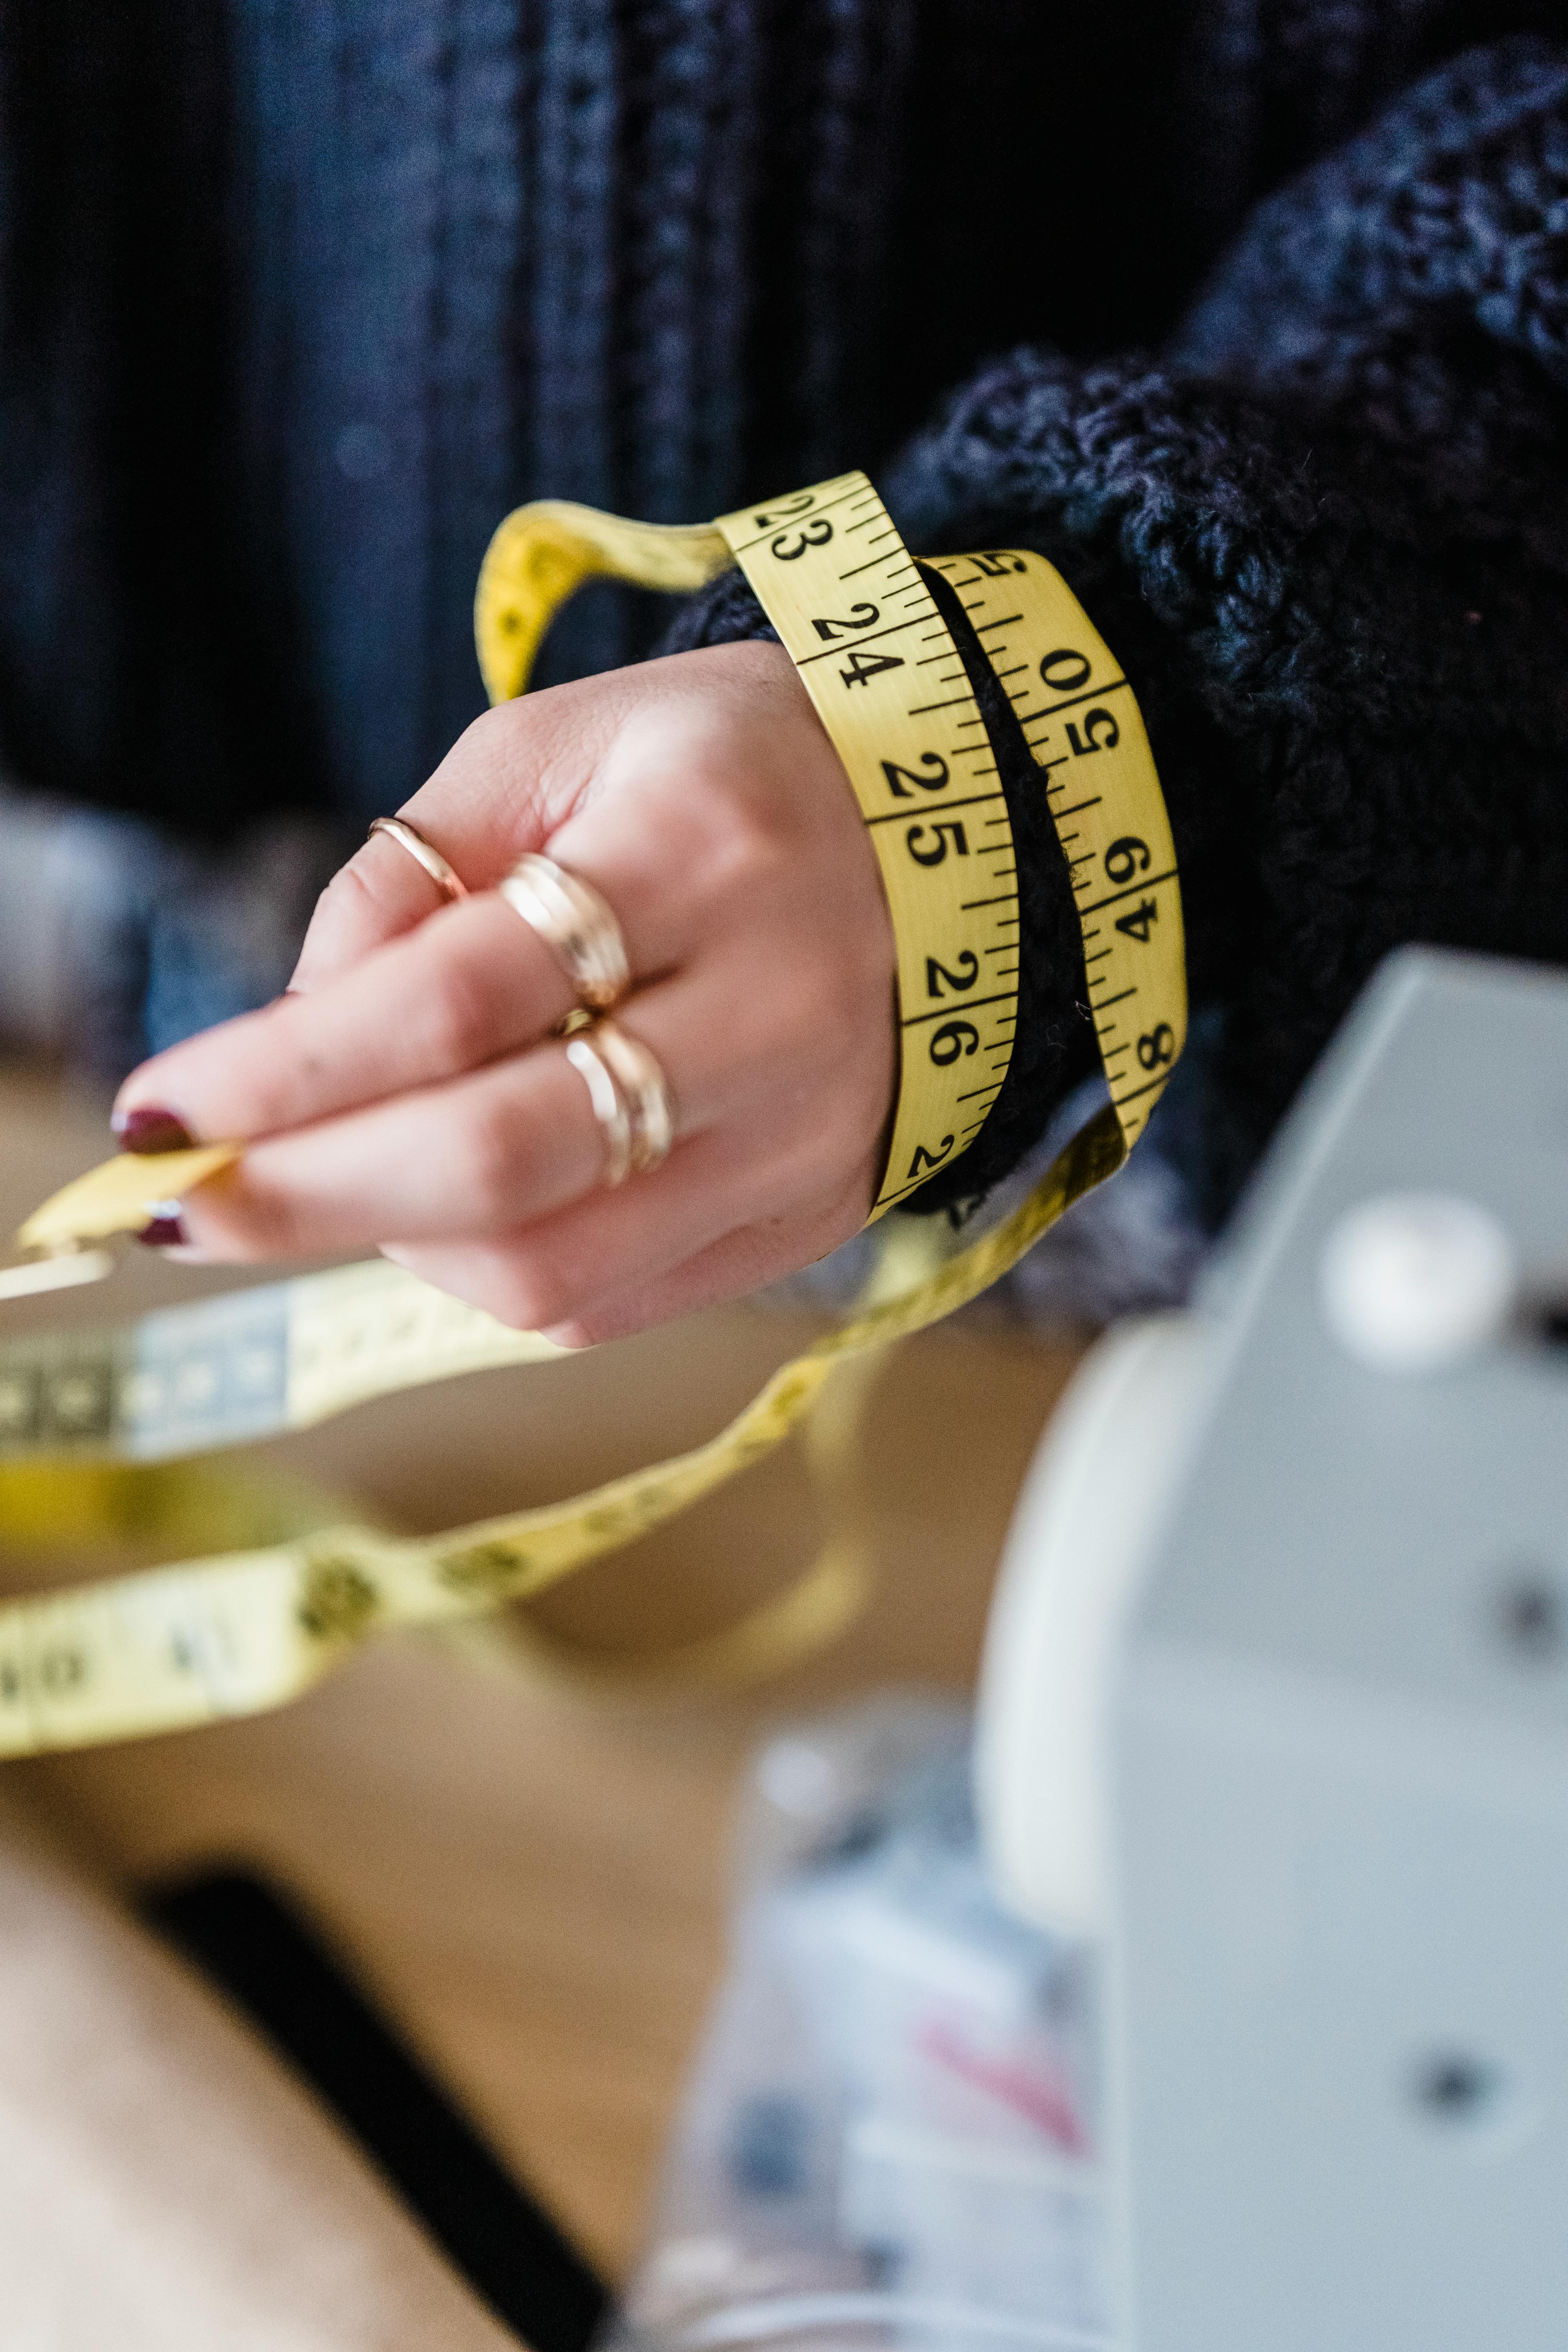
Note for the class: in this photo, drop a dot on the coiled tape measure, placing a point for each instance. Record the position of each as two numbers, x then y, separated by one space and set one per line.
284 1601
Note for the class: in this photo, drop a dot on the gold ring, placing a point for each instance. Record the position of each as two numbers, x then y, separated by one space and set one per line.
423 853
643 1085
609 1109
576 926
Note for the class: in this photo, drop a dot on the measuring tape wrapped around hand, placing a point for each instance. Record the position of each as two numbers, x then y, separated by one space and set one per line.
246 1629
864 629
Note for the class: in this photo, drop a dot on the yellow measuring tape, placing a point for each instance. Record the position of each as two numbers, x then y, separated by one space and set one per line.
881 667
248 1629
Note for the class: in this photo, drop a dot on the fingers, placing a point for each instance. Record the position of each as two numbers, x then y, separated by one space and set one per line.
511 1143
515 776
486 1150
472 982
506 784
679 853
379 895
585 1276
729 1267
414 1098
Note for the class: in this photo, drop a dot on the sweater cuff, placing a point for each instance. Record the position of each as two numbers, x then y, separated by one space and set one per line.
725 613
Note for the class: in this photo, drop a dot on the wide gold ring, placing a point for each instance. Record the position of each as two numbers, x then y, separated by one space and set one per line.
423 853
645 1091
609 1108
576 926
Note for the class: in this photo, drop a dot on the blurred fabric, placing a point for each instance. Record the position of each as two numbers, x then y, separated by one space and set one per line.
298 297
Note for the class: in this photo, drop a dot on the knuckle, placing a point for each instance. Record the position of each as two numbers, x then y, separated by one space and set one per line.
350 914
744 856
491 1163
352 894
460 1018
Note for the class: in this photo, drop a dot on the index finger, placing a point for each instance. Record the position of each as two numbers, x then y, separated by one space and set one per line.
477 981
507 783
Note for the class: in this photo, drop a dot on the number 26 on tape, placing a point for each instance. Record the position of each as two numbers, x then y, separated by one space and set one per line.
953 1038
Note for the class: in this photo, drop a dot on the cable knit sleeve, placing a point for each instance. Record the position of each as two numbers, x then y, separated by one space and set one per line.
1326 532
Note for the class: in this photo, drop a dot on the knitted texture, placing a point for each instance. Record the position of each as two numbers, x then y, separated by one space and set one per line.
300 295
1327 535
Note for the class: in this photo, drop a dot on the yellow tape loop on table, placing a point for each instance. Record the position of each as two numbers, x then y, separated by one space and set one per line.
244 1630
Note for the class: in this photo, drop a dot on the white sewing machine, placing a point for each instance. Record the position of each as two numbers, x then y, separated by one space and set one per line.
1277 1704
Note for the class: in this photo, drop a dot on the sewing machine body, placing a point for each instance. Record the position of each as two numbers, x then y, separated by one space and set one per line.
1285 1630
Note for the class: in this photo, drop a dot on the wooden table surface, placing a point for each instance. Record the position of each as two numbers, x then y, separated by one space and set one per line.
532 1876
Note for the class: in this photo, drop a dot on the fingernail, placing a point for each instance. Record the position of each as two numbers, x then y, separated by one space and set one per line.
148 1128
164 1233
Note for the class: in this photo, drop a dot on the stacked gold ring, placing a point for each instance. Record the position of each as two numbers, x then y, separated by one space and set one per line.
640 1088
626 1087
609 1109
575 924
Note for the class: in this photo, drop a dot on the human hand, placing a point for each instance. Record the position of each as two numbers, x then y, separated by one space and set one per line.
409 1092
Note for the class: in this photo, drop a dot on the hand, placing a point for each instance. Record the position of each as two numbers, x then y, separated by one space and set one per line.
410 1094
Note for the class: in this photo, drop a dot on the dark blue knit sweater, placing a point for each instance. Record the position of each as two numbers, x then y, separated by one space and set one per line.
297 297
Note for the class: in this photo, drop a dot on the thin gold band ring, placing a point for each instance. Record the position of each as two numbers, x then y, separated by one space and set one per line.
423 853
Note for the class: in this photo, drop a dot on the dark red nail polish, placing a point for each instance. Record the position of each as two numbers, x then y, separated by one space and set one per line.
147 1129
164 1233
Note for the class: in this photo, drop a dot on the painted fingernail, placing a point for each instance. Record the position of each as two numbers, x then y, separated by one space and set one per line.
164 1233
148 1128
